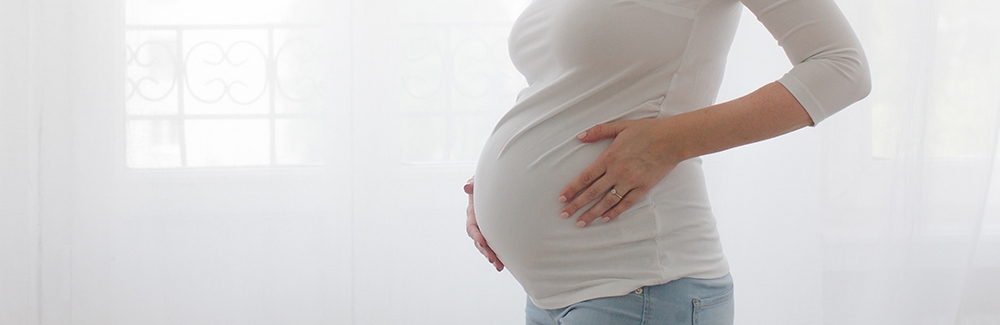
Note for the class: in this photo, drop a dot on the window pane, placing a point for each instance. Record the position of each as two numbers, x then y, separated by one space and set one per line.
457 79
298 142
299 67
226 71
153 144
220 143
151 61
241 82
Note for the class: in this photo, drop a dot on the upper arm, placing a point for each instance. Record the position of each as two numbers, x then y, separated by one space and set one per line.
830 68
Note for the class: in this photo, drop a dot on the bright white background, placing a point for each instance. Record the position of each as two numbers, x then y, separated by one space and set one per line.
346 207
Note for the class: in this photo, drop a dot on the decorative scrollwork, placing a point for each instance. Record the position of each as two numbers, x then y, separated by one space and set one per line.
472 56
229 55
145 86
302 53
236 65
179 78
427 64
469 61
458 77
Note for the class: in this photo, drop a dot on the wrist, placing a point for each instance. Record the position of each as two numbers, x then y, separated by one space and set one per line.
675 142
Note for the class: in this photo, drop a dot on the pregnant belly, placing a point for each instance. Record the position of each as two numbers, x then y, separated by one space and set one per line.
516 198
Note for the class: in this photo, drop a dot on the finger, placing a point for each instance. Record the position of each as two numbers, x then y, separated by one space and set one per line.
468 187
475 234
627 201
581 182
606 203
480 241
491 256
602 131
470 211
592 193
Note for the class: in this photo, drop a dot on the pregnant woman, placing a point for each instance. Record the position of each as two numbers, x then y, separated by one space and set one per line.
590 190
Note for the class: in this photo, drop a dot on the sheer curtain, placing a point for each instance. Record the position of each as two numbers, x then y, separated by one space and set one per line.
263 162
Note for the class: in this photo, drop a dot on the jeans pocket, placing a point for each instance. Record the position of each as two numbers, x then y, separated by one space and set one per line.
713 310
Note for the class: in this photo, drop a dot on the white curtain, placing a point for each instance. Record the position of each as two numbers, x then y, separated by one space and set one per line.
301 162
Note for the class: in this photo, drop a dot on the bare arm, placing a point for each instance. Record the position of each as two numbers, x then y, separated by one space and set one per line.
763 114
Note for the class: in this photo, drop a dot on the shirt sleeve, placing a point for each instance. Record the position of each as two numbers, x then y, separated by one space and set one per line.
830 70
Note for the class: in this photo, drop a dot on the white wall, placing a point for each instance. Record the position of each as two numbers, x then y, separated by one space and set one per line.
18 222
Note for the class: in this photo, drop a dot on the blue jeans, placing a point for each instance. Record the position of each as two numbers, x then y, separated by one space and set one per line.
682 301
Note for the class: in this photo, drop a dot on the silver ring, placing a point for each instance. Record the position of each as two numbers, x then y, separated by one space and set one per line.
615 193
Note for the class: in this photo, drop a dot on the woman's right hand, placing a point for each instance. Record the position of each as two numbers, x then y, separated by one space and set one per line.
472 227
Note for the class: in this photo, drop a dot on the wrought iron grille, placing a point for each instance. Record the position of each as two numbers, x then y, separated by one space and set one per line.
222 96
457 81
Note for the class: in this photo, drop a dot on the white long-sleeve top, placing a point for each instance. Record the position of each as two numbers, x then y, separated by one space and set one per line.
589 62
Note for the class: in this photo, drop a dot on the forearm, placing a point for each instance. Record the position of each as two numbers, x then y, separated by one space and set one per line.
763 114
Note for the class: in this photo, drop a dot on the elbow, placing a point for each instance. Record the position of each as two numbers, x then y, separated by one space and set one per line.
849 74
863 79
865 88
854 66
826 84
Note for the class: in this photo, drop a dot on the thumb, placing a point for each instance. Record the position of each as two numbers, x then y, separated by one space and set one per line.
602 131
469 187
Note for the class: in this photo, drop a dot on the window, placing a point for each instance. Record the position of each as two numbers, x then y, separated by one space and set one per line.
457 80
222 84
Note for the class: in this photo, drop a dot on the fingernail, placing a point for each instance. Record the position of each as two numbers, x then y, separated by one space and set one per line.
606 219
581 135
564 215
562 199
581 224
478 245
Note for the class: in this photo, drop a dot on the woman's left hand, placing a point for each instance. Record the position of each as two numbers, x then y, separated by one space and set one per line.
642 154
645 151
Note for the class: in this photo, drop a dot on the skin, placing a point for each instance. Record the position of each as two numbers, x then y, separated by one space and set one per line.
472 228
645 151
